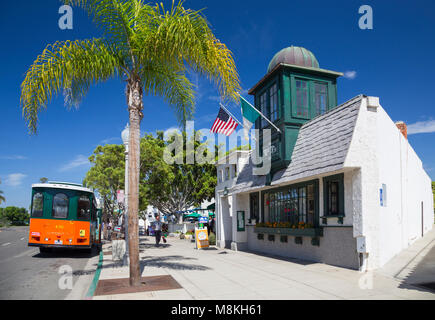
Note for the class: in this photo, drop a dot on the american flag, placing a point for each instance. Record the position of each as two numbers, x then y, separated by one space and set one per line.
223 124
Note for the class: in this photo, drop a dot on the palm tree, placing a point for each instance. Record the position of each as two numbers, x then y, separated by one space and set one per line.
2 198
152 50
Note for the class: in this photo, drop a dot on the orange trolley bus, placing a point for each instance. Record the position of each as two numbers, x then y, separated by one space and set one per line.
64 215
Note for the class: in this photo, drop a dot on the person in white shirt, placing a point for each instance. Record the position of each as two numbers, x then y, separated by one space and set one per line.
158 230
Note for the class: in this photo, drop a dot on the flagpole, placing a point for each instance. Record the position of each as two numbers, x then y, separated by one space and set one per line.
260 113
234 118
230 114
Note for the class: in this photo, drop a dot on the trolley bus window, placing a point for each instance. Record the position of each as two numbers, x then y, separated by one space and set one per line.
83 208
60 206
37 204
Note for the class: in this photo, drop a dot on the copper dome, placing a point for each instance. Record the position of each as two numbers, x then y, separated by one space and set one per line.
294 55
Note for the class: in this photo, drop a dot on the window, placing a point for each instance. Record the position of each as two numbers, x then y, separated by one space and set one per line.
320 97
253 206
37 205
83 208
263 108
227 173
235 170
220 176
333 195
60 206
302 98
273 97
293 204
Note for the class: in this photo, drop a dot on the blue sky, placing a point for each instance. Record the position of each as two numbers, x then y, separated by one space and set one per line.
394 61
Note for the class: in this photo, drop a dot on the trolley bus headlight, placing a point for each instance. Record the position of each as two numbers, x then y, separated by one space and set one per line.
70 240
46 239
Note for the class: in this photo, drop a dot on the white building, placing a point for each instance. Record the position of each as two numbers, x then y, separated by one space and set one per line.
353 194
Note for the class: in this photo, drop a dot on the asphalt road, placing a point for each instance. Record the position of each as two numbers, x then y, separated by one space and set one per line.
28 274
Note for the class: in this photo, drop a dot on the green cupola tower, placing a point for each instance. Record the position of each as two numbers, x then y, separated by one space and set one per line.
293 91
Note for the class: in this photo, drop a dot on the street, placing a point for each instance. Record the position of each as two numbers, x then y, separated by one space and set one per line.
28 274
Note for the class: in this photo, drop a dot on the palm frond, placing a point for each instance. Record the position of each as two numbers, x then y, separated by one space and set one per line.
161 79
71 66
118 20
183 36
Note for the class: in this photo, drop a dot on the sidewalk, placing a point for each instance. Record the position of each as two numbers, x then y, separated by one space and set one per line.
225 274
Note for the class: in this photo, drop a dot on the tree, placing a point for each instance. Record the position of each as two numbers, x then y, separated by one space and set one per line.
16 216
106 176
43 180
178 186
2 198
149 48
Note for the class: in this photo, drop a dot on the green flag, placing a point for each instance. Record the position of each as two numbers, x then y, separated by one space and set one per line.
249 116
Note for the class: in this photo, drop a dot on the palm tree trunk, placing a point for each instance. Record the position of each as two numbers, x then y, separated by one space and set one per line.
134 98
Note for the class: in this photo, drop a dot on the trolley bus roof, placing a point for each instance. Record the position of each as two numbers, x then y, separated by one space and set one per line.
62 185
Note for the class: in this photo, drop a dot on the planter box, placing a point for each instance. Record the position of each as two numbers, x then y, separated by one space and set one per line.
310 232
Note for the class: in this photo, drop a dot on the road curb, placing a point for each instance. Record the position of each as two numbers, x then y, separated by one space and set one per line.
93 286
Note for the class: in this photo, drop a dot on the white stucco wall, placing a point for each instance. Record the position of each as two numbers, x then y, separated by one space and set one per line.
226 206
385 157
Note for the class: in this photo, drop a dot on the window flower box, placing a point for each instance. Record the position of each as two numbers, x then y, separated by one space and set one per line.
307 232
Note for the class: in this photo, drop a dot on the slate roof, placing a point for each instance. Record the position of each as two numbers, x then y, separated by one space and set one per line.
321 147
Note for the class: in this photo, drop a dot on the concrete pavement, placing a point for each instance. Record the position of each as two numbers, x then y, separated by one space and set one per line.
225 274
27 274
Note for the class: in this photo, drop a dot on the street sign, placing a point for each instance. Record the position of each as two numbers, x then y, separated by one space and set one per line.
203 220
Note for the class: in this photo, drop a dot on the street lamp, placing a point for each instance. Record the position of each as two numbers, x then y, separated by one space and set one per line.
125 135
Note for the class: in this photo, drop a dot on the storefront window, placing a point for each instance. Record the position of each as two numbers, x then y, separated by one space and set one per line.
292 205
334 195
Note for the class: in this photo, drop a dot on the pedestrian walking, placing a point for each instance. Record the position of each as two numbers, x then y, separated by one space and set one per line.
158 230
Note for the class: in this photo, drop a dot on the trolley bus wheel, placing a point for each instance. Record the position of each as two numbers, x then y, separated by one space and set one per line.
44 249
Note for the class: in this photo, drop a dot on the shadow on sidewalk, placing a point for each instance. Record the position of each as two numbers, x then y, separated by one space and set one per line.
288 259
144 246
422 277
164 262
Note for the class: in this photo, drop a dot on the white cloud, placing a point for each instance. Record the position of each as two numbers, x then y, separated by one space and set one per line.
15 179
79 161
421 127
351 74
13 157
109 140
206 118
214 98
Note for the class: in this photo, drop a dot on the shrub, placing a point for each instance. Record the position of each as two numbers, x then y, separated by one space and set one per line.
212 239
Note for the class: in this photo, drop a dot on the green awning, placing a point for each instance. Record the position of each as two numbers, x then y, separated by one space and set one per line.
192 215
211 207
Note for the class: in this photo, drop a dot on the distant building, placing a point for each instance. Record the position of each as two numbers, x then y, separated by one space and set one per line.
345 188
